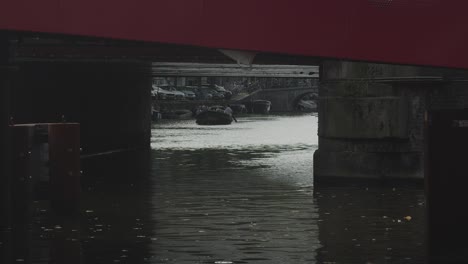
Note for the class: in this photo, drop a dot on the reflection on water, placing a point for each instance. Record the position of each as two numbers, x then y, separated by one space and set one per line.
371 224
225 194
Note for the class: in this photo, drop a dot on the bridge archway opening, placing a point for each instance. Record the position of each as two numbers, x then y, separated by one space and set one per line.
306 102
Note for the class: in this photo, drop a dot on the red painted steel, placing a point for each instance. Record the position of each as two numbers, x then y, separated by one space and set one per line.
422 32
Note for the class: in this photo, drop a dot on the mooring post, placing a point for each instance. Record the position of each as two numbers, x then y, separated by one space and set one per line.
64 160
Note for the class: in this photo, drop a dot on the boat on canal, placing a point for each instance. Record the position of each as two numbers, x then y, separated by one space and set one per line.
214 117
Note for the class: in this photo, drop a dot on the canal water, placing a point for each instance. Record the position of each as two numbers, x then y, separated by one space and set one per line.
242 193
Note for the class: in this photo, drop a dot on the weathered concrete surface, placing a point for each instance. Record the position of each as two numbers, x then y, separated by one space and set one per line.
111 100
450 96
362 71
371 120
364 117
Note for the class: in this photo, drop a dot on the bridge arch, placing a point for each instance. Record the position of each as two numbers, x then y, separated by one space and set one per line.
305 102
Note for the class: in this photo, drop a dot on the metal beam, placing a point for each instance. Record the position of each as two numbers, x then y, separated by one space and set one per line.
234 70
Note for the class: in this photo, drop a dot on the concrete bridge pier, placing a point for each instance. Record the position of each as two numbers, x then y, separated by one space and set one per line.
371 121
110 100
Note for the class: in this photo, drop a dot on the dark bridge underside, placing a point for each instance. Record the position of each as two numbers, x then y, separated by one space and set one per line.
425 32
40 46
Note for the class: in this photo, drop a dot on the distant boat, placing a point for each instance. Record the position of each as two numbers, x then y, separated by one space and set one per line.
213 117
307 105
261 106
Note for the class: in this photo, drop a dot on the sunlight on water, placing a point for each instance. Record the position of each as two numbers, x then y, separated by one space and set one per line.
278 147
257 131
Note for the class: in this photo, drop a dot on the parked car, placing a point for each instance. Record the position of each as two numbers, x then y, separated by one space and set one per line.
216 95
210 89
163 94
202 94
177 94
188 92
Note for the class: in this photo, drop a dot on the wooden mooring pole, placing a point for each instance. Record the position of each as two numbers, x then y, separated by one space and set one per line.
64 186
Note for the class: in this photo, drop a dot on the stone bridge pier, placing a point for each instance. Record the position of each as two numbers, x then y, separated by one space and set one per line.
371 120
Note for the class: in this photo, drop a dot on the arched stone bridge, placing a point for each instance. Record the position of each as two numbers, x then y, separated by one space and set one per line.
284 99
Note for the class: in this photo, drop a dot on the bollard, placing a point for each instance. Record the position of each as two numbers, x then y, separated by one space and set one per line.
64 160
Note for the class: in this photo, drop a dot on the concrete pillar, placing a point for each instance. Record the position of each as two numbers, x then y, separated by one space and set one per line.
446 182
371 121
4 174
5 74
110 100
